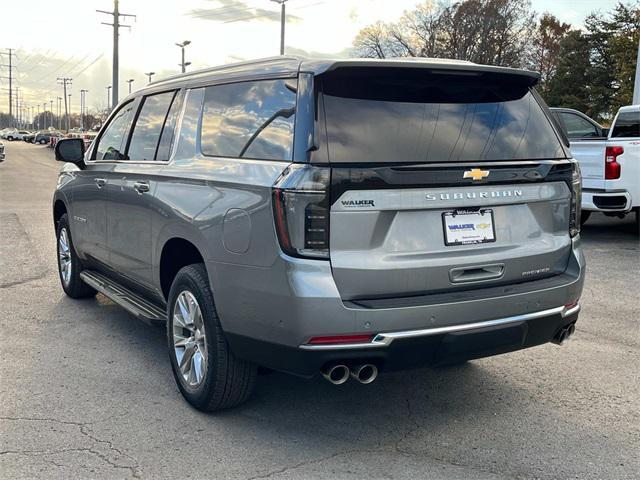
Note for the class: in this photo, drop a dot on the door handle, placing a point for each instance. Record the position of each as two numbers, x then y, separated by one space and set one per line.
100 182
141 187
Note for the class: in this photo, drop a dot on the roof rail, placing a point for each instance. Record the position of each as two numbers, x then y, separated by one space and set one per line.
225 67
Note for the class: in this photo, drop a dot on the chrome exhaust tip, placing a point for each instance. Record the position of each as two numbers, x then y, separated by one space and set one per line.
365 373
564 334
336 374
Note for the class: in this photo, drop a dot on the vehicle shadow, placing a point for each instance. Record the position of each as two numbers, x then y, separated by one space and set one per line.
600 228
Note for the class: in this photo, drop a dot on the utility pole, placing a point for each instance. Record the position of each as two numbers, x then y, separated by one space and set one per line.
59 99
51 111
283 18
108 92
69 117
11 67
38 117
116 34
184 64
44 115
130 81
636 85
150 74
64 82
83 105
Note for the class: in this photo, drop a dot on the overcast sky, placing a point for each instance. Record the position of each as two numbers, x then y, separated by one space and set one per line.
66 38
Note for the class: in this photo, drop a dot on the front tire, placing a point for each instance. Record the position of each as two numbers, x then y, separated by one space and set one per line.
69 265
208 374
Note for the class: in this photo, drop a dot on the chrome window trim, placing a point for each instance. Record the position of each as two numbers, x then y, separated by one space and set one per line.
383 340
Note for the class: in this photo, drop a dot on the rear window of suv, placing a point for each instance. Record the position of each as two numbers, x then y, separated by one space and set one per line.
627 125
415 116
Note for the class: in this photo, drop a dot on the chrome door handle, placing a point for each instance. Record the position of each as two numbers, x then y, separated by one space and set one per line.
141 187
100 182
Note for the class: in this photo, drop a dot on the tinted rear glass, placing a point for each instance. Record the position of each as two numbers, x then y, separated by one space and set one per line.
414 116
627 125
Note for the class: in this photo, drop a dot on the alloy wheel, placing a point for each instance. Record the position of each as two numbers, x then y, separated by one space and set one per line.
189 340
64 256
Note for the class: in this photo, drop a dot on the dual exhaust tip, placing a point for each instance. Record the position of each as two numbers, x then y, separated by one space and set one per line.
564 334
339 373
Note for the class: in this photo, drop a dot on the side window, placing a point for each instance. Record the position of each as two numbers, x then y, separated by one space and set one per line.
112 141
578 127
249 120
149 125
627 125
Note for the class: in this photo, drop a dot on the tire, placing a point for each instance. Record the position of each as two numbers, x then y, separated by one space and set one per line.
638 221
10 139
584 216
42 142
223 381
71 282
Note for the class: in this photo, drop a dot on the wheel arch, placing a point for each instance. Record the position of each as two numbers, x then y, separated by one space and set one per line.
176 253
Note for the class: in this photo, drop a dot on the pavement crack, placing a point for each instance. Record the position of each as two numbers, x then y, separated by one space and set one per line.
134 468
301 464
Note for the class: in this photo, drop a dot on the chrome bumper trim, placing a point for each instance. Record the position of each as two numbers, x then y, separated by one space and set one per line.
382 340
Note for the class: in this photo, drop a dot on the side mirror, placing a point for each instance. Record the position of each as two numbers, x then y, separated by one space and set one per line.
70 150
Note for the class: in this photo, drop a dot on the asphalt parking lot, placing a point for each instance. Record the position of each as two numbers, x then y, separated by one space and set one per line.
86 390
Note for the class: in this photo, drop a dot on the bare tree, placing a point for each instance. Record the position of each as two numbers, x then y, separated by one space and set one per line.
484 31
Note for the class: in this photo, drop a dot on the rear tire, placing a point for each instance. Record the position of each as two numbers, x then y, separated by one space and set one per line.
638 221
194 336
69 265
584 216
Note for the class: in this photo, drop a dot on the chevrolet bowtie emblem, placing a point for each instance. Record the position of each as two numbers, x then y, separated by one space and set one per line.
476 174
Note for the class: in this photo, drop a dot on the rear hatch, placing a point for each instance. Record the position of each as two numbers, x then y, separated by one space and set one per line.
441 181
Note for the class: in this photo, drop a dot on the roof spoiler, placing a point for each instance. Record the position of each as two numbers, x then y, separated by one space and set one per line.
435 66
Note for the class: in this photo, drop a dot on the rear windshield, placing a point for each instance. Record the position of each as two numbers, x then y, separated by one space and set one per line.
627 125
416 116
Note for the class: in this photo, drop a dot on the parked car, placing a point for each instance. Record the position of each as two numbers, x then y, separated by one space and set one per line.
43 137
17 135
320 216
609 160
29 138
2 152
7 131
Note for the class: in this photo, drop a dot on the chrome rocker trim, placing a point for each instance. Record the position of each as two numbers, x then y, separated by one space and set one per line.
382 340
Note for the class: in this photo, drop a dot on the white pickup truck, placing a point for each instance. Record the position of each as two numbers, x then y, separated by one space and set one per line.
609 160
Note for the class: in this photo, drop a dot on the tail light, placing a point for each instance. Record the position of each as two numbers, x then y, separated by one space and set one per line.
301 211
576 201
611 165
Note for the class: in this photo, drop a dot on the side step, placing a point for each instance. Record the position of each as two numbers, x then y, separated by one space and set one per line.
127 299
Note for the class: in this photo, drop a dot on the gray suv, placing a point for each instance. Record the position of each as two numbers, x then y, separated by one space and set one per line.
341 217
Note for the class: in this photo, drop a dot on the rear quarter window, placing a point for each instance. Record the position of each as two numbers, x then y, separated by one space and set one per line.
249 120
627 125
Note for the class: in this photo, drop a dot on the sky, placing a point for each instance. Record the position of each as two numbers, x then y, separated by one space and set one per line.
66 38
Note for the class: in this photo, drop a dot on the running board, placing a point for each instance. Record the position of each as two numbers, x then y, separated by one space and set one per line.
132 302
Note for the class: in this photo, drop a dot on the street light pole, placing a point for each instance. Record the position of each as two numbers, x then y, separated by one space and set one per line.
283 18
69 117
184 64
130 81
108 95
150 74
83 106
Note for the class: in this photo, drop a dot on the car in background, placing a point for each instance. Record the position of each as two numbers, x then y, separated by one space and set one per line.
17 135
44 137
609 160
29 138
1 152
7 131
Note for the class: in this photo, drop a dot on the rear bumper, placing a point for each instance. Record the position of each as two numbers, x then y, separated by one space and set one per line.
269 315
606 201
413 349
